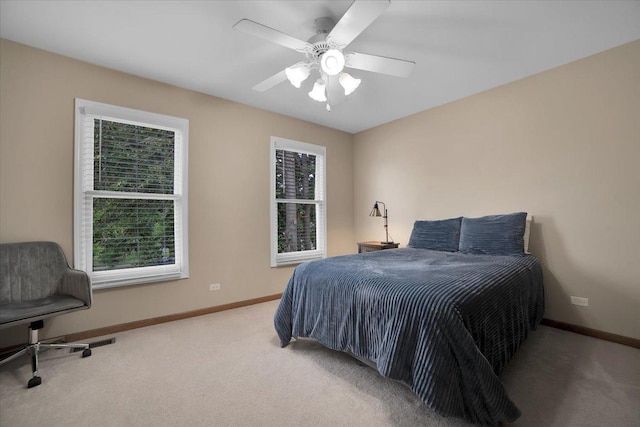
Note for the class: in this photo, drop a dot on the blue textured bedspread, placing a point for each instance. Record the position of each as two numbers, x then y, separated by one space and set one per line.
445 324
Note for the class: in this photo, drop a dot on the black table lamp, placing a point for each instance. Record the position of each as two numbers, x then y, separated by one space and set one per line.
376 212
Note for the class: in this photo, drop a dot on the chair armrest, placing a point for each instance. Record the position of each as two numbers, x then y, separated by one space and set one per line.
77 284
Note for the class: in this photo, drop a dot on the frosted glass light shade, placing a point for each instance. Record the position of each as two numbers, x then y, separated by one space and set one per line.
318 91
348 83
297 74
332 62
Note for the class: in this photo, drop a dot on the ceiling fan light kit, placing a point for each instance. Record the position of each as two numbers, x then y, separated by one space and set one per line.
332 62
318 93
324 53
348 83
298 73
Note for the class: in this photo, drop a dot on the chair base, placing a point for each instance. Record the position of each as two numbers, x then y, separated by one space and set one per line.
34 347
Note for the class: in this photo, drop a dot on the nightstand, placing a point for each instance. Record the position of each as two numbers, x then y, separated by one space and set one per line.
375 246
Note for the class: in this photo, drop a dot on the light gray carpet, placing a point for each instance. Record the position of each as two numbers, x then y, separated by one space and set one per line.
227 369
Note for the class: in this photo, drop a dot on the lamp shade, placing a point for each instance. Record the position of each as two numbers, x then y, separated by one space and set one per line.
318 91
376 212
332 62
348 83
297 74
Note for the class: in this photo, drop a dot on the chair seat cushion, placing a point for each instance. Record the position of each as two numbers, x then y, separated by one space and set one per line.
49 306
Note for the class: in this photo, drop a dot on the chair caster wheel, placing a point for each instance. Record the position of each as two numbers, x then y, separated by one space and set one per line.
86 352
35 381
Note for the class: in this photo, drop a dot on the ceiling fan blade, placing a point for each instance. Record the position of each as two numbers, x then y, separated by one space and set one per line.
379 64
268 33
358 17
272 81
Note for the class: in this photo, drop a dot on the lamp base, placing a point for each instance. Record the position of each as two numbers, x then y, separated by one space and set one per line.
386 243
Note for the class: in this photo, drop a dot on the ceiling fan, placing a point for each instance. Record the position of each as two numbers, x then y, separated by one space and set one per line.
323 53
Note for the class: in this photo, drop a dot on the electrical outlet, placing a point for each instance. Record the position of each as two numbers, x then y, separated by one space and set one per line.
580 301
214 287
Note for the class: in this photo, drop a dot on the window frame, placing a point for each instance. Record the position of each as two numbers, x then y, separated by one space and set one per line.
289 258
84 194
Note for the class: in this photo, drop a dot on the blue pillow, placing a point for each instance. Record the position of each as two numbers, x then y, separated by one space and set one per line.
493 234
442 235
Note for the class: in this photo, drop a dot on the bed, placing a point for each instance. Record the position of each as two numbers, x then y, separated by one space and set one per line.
444 322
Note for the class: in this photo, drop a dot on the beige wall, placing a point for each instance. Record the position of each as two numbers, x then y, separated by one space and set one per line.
228 211
563 145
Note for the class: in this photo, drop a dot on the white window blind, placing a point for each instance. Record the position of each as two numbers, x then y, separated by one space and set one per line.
298 206
130 195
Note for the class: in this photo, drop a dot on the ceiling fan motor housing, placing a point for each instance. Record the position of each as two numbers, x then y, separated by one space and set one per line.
317 51
323 27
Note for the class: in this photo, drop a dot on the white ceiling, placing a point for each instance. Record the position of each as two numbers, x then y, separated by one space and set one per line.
460 47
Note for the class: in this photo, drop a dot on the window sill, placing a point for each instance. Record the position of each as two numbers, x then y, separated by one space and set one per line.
297 260
116 283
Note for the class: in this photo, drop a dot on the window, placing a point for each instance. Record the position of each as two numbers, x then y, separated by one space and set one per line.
298 209
130 198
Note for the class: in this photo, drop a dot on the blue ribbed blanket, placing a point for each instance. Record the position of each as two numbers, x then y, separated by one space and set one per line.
445 324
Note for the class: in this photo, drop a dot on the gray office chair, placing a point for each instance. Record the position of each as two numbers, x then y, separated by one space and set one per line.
36 283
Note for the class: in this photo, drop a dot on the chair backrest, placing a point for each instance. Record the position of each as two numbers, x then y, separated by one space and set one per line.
30 270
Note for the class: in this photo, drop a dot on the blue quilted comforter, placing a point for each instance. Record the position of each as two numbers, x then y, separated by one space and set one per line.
445 324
